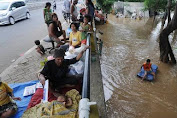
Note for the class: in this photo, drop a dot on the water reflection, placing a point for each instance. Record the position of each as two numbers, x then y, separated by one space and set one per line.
127 44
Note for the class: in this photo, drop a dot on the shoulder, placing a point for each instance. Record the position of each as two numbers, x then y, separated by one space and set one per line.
71 34
78 32
51 24
51 62
5 84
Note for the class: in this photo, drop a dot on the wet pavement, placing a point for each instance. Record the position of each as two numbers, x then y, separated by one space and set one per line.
127 44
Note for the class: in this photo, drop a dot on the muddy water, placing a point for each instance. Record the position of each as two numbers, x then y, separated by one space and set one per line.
127 45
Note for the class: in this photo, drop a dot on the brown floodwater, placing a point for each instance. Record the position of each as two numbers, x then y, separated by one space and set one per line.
127 43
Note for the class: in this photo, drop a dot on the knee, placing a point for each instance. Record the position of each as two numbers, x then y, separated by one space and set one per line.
8 113
64 32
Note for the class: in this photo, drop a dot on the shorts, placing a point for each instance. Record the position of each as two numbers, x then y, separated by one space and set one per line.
58 35
9 106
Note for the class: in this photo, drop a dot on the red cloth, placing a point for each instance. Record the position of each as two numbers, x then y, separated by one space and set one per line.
84 41
36 98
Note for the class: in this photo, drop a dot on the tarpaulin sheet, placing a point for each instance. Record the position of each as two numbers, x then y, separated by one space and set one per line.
18 89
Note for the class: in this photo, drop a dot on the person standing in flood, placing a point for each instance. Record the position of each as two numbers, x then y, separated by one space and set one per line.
74 12
47 14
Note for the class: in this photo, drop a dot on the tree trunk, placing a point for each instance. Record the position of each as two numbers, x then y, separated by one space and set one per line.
174 38
168 10
164 19
165 47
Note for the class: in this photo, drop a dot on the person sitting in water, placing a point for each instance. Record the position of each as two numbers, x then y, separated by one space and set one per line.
7 106
147 69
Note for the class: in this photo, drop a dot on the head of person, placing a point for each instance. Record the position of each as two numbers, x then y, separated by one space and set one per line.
62 99
86 18
89 2
48 5
37 42
59 56
54 17
83 11
75 2
148 61
74 26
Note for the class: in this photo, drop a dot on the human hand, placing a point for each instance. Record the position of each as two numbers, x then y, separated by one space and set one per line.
16 98
42 82
87 47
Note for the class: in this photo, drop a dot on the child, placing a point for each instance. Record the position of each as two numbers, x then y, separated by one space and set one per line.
66 101
84 28
40 49
47 14
147 69
75 36
7 106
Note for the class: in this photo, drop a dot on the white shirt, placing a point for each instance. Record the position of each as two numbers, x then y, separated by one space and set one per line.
67 5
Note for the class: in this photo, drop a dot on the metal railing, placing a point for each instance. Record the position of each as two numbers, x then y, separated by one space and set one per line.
86 77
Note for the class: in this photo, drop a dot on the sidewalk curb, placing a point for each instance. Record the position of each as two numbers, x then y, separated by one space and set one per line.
19 60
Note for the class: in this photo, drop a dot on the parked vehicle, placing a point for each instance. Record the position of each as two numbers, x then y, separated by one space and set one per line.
12 11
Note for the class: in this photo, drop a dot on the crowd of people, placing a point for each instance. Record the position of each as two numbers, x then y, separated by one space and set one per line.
54 70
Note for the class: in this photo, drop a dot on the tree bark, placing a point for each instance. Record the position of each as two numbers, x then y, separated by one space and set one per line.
165 47
168 10
164 19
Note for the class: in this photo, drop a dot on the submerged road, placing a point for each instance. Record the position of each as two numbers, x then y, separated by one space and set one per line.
127 44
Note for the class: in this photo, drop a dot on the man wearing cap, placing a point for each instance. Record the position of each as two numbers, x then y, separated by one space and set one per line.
56 70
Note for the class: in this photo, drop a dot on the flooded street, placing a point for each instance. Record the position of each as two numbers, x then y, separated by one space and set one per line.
126 46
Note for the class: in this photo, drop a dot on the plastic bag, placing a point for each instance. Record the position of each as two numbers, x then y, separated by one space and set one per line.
78 67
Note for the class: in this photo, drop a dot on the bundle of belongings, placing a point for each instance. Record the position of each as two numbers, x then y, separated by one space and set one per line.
56 108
